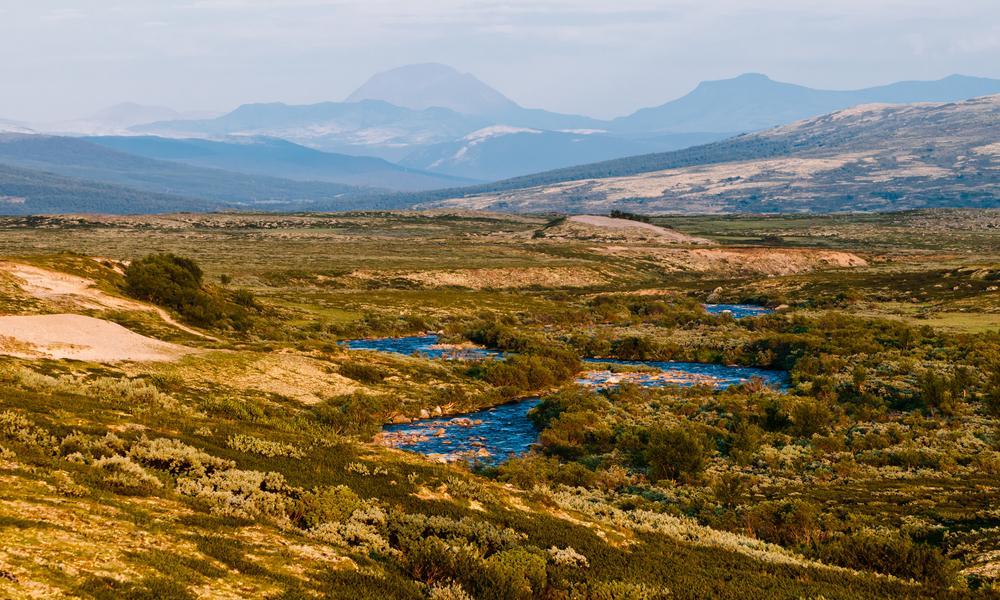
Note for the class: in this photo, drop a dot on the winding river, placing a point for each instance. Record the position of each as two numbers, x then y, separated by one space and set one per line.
492 435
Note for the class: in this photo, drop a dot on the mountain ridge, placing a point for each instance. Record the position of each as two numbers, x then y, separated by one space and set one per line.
873 157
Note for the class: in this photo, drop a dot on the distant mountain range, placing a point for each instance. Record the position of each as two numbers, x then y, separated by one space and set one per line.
49 168
871 157
280 158
752 102
433 118
433 133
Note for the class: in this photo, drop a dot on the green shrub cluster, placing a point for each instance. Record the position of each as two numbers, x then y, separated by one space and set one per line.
177 283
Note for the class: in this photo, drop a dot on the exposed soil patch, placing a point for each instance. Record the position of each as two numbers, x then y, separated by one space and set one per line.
599 228
71 292
81 338
739 261
508 278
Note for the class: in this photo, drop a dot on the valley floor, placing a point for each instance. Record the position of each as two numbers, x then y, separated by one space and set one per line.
219 441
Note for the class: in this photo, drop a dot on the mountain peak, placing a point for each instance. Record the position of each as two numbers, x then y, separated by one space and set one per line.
427 85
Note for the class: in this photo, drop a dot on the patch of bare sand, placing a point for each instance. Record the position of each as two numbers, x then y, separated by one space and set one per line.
294 376
595 227
72 291
735 261
509 278
80 338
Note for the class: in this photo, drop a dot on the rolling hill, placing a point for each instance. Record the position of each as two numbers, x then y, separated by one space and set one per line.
279 158
77 158
874 157
369 127
26 192
499 152
753 101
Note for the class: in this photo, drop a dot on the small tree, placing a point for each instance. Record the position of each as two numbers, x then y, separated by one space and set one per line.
177 283
675 453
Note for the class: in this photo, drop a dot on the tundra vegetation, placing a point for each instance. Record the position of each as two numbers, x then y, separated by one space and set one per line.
251 466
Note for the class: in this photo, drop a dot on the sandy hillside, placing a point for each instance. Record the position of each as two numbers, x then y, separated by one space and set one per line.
81 338
607 229
478 279
70 292
740 261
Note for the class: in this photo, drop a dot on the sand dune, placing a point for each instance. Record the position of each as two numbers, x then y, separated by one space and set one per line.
72 292
81 338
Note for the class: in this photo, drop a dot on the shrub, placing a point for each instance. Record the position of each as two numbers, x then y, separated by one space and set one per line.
633 348
621 214
513 574
262 447
91 446
176 282
625 590
18 428
893 554
810 417
568 557
364 529
351 414
787 523
129 394
177 457
362 372
241 494
327 505
124 476
450 591
676 453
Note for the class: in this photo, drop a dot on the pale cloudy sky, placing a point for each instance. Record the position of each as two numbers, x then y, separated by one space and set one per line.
67 58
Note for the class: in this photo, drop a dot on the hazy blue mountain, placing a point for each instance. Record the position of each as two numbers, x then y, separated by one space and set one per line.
27 192
77 158
110 121
280 158
388 117
370 127
432 85
499 152
127 114
431 117
752 102
12 126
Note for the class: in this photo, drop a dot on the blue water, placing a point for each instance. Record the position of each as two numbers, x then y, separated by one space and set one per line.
738 311
685 374
423 345
488 436
493 435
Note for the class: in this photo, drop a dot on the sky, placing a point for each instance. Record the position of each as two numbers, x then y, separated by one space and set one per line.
64 59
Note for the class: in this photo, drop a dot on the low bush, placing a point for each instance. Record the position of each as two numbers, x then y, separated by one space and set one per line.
177 457
262 447
893 554
126 477
241 494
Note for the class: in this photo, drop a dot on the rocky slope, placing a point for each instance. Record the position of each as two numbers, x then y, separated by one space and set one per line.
873 157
